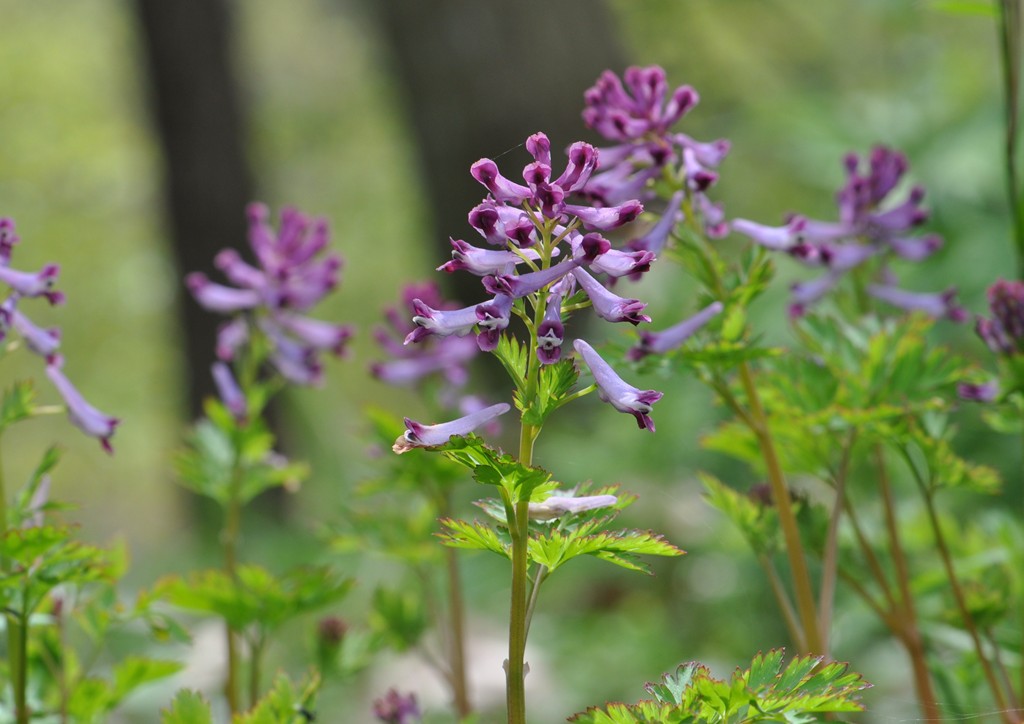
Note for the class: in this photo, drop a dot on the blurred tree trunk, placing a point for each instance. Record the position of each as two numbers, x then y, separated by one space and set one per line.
478 77
196 110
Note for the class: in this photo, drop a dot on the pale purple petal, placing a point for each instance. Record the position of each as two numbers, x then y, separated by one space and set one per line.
315 333
44 342
778 238
230 338
502 189
219 298
606 217
519 285
673 337
937 305
613 390
83 415
978 392
227 387
420 435
656 237
33 284
556 506
440 322
492 317
608 305
479 261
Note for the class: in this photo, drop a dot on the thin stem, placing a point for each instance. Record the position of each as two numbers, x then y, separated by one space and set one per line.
961 602
909 632
782 600
874 565
229 541
255 666
830 559
538 578
1004 675
787 519
1010 55
457 644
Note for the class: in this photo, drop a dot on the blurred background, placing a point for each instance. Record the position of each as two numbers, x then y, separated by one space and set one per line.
133 133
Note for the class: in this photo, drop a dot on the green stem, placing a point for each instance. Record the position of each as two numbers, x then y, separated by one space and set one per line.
1010 53
229 541
456 624
909 632
515 672
1008 715
782 601
255 668
830 559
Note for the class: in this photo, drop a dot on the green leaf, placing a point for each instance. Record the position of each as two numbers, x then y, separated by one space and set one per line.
44 557
285 703
475 535
514 358
619 547
555 383
17 403
491 466
734 324
187 707
759 524
255 596
398 615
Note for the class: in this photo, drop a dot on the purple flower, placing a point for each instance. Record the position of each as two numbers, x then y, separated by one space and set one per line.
518 286
551 331
410 364
44 342
612 389
7 239
290 276
33 284
1004 332
397 708
230 393
657 236
978 392
420 435
938 305
869 227
673 337
83 415
608 305
479 261
639 109
440 322
555 506
492 317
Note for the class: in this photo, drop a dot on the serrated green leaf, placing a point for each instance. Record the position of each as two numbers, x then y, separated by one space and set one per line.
285 703
734 324
475 535
621 547
187 707
514 358
399 617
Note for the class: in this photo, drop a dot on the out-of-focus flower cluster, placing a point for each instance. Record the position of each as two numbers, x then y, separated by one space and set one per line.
395 708
45 342
1003 333
871 227
291 275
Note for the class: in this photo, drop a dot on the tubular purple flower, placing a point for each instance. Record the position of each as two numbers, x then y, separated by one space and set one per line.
440 322
502 189
33 284
778 238
620 184
843 257
518 286
673 337
613 390
915 248
420 435
83 415
937 305
500 224
44 342
219 298
492 317
237 271
551 331
608 305
657 236
708 154
555 506
607 217
228 390
583 159
230 338
806 293
479 261
315 333
617 263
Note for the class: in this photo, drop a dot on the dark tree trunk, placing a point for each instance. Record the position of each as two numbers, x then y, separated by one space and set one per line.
479 77
196 110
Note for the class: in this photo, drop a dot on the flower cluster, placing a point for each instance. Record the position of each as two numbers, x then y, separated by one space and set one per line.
638 115
395 708
292 274
549 259
1003 333
45 342
870 227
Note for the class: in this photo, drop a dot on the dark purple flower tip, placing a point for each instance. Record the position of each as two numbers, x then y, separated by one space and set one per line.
82 415
539 146
613 390
978 392
502 189
583 159
419 435
608 305
592 246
